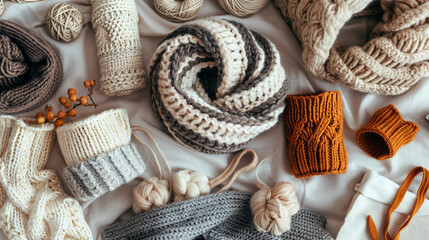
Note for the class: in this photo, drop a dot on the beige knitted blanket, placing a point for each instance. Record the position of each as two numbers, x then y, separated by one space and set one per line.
394 59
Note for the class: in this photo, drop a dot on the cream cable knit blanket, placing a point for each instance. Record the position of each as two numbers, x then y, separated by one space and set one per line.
118 46
394 59
216 85
33 204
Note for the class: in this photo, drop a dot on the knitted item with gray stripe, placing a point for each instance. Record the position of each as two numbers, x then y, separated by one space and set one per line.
216 85
217 216
98 153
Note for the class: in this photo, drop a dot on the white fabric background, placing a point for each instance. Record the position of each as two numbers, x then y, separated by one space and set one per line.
329 195
374 196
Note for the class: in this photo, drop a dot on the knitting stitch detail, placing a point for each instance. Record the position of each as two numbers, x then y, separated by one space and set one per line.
394 59
216 85
118 46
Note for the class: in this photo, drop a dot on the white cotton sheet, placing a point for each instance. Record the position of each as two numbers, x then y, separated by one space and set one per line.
329 195
374 196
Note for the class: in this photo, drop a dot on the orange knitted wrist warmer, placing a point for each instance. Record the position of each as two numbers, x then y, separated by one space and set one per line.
314 129
385 133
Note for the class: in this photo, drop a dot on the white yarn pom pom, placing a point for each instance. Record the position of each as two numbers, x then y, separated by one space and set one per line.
151 193
273 208
188 184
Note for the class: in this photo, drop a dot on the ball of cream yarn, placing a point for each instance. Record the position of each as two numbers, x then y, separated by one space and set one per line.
188 185
151 193
242 8
178 11
273 208
64 22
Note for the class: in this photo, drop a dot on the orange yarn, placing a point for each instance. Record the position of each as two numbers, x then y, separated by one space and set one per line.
385 133
314 129
421 196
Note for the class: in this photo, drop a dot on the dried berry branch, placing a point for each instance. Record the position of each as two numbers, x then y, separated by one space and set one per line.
83 101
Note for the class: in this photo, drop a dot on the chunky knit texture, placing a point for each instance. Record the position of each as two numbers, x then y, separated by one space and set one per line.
392 61
224 215
385 133
118 46
30 69
33 204
314 129
98 154
216 85
89 137
104 172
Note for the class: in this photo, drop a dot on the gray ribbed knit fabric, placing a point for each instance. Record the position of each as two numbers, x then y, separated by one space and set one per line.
104 172
216 216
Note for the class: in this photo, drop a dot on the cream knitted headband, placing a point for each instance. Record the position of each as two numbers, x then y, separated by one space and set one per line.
98 154
216 85
393 60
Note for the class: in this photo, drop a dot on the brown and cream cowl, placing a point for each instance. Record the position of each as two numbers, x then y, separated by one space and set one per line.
216 85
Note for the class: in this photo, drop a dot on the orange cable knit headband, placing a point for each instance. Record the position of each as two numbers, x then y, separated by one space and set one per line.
385 133
314 129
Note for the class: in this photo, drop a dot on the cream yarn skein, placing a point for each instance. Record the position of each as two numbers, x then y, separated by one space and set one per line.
152 192
178 10
188 184
242 8
274 207
64 22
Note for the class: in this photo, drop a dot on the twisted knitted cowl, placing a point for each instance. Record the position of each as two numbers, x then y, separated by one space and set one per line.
30 69
225 215
216 85
394 59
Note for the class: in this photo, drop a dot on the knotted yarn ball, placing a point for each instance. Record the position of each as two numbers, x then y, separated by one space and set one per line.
242 8
64 22
216 85
178 11
151 193
188 185
273 208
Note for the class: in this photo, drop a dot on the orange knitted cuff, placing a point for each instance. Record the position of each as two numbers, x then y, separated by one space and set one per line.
314 129
385 133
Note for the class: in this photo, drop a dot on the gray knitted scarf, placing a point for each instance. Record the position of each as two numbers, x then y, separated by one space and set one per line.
216 85
30 69
217 216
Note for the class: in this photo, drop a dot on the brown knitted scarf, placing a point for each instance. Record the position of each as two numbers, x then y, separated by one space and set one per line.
30 69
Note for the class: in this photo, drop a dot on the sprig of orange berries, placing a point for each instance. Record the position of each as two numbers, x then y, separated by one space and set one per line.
67 103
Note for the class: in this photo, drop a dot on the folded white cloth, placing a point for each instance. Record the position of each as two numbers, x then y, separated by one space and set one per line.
374 196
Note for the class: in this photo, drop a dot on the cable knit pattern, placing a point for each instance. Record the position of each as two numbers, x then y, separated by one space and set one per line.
104 172
36 206
216 85
98 153
385 133
118 46
94 135
30 69
224 215
392 61
314 129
